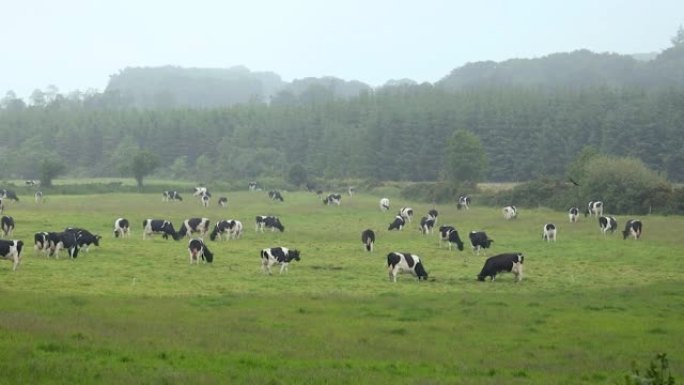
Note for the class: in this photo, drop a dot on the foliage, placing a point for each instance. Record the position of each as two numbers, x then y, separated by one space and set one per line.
50 168
466 158
297 175
142 164
656 374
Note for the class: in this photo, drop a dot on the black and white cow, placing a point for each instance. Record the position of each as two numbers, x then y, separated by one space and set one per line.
549 232
509 212
84 238
38 197
9 194
405 263
332 198
276 195
351 190
230 228
406 213
426 225
121 228
397 224
41 242
444 233
509 262
384 204
278 255
11 250
168 196
479 240
253 186
7 225
607 224
633 228
453 238
64 240
159 226
463 202
204 199
32 182
200 191
368 239
194 225
198 250
223 201
268 222
594 208
433 213
573 214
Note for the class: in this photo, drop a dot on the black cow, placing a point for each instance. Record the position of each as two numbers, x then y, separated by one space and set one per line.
278 255
633 228
549 232
405 263
573 214
194 225
269 222
64 240
607 224
332 198
198 250
84 238
7 225
121 228
223 201
479 240
11 250
426 225
159 226
230 228
171 196
397 224
368 239
275 195
509 262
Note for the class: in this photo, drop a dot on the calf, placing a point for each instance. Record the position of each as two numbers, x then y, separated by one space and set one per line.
573 214
510 212
198 250
84 238
397 224
7 225
405 263
11 250
426 225
479 240
276 195
332 198
268 222
171 196
121 228
159 226
607 224
278 255
549 232
633 228
384 204
509 262
406 213
463 202
594 208
64 240
223 201
229 228
368 239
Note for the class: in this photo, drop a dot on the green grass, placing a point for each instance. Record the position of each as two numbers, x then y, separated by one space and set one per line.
136 312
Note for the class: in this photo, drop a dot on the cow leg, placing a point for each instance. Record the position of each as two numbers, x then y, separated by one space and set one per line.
16 259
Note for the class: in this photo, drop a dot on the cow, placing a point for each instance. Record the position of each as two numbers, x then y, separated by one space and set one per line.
121 228
406 213
384 204
11 250
633 228
426 225
268 222
509 212
200 191
169 196
549 232
41 242
278 255
573 214
351 190
84 238
7 225
453 238
479 240
194 225
594 208
159 226
32 182
463 202
230 228
405 263
223 201
508 262
38 197
64 240
205 200
2 205
332 198
276 195
198 250
432 213
368 239
607 224
9 194
444 233
253 186
397 224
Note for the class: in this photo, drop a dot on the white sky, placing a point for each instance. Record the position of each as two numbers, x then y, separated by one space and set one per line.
77 44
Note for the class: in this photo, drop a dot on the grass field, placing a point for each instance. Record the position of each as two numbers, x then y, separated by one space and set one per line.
136 312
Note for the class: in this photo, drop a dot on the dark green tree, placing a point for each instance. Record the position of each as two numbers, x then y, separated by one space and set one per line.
50 168
466 158
297 175
142 164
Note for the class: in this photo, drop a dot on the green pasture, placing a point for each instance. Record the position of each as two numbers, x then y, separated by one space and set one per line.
136 312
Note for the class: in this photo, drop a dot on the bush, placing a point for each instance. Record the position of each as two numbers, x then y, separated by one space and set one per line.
654 375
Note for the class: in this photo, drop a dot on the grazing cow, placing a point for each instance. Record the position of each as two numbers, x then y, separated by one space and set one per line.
41 242
194 225
223 201
121 228
509 262
594 208
633 228
549 232
405 263
198 250
397 224
444 233
200 191
426 225
64 240
38 196
7 225
277 255
159 226
171 196
368 239
332 198
453 238
229 228
510 212
276 195
479 240
433 214
463 202
607 224
253 186
573 214
11 250
33 182
9 194
384 204
84 238
406 213
268 222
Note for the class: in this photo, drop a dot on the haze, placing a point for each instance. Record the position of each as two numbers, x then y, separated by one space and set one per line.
77 44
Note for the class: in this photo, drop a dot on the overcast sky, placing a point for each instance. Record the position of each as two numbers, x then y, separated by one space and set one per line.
78 44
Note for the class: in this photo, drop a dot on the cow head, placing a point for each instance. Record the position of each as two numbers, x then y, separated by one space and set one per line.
420 271
294 255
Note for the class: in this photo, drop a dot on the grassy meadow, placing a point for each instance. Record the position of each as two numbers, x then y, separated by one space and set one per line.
136 312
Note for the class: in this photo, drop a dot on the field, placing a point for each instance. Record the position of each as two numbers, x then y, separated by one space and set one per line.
136 312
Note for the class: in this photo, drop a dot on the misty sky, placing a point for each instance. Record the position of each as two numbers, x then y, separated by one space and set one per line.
77 44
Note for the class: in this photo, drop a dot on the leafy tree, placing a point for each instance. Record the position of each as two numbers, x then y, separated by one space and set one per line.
50 168
466 158
678 38
297 175
142 164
